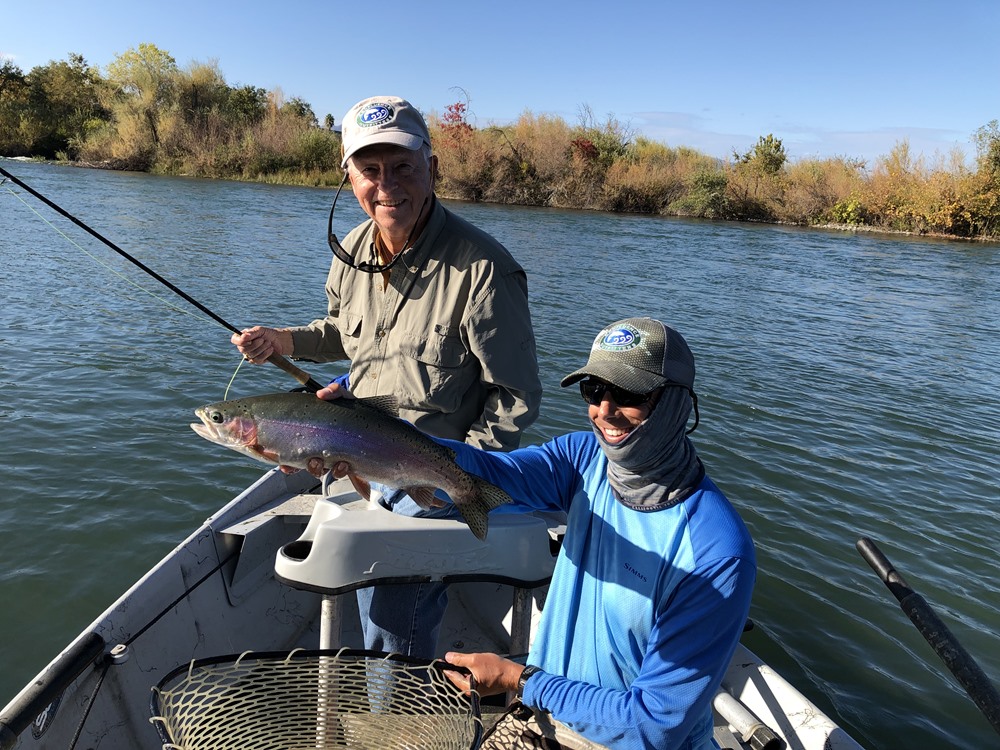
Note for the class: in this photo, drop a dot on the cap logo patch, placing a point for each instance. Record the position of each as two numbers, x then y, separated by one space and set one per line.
375 114
620 339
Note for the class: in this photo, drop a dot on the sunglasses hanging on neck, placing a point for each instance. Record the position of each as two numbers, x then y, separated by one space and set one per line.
365 266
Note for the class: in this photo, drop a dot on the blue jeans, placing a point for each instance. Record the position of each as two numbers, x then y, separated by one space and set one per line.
405 618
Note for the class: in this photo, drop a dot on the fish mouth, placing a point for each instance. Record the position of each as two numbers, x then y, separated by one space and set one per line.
207 431
210 430
202 429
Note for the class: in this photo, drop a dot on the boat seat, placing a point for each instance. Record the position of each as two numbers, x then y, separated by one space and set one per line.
352 545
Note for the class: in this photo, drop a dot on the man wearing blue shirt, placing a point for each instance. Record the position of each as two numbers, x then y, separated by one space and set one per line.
653 582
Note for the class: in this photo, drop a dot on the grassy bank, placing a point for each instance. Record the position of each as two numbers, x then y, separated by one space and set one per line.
145 113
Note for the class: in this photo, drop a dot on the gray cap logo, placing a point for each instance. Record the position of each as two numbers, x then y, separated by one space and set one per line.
619 339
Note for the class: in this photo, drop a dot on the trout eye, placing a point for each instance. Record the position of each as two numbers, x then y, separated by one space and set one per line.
216 416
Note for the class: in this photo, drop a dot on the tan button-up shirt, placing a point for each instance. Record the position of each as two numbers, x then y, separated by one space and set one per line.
449 336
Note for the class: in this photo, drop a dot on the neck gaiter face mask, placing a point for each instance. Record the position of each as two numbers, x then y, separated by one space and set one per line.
656 466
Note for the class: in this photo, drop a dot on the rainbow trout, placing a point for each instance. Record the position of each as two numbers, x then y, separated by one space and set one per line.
297 429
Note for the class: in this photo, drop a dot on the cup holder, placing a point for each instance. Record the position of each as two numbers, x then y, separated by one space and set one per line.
298 550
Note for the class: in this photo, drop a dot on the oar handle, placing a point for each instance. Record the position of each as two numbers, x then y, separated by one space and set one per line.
881 565
301 375
959 661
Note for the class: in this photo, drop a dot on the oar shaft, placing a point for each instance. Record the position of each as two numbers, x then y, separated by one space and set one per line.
300 375
959 661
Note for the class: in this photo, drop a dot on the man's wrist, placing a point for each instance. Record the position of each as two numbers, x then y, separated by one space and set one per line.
287 342
523 679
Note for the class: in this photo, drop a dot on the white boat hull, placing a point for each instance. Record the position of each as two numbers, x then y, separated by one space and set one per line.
217 593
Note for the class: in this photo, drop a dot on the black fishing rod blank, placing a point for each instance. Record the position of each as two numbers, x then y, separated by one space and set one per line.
959 661
276 359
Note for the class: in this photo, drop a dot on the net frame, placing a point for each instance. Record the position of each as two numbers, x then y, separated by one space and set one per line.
309 699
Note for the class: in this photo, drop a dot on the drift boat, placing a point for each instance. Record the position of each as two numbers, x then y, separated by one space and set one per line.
263 594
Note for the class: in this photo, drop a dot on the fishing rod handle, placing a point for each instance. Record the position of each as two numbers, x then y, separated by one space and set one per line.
301 375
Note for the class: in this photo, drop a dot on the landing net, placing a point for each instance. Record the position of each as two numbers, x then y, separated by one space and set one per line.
314 699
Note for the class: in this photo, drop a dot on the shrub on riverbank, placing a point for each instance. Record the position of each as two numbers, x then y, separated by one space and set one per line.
147 114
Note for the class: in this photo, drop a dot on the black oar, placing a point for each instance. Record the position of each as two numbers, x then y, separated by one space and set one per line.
276 359
937 634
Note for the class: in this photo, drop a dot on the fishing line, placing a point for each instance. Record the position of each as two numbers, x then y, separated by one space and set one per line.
300 375
233 378
166 302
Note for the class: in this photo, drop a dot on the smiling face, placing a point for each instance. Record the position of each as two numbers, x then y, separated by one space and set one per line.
392 185
617 422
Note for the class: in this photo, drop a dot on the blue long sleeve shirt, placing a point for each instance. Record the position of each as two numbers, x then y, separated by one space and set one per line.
645 608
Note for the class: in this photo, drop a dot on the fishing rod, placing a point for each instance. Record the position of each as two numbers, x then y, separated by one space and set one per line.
275 359
959 661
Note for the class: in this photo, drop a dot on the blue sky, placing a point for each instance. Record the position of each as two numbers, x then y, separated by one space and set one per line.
829 79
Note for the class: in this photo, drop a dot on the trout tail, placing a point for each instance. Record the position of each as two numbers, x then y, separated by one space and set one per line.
485 496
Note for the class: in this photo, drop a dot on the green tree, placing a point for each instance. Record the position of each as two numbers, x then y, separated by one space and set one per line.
245 106
984 198
767 156
63 103
297 107
13 99
755 188
987 141
705 196
144 85
201 93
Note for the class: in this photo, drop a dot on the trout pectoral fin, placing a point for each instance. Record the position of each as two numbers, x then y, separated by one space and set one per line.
424 497
364 489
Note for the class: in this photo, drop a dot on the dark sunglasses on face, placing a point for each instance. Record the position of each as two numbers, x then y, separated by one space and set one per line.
593 393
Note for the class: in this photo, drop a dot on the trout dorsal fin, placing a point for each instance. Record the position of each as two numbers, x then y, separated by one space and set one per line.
385 404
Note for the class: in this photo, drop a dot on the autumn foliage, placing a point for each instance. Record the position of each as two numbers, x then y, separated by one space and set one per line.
146 113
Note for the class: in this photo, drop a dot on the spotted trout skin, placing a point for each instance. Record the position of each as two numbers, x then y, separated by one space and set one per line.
290 429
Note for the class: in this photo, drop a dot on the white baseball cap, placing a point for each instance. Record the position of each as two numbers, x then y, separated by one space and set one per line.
382 119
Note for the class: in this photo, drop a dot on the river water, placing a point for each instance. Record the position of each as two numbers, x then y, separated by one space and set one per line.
848 386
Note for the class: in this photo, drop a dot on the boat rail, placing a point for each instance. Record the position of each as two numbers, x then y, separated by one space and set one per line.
31 703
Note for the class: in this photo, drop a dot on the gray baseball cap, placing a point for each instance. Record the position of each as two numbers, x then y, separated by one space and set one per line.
639 355
382 119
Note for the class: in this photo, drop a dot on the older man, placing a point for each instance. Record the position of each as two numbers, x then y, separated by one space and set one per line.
428 309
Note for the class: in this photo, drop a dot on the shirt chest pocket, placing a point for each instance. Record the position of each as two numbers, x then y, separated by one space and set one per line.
349 325
437 348
440 362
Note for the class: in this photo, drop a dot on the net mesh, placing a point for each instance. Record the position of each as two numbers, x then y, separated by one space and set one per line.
314 699
514 730
522 728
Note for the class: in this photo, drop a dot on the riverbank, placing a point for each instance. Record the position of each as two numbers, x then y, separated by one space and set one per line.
862 229
449 189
